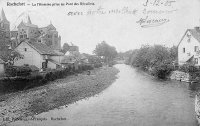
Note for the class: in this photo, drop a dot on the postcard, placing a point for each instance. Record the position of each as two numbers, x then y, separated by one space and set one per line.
99 62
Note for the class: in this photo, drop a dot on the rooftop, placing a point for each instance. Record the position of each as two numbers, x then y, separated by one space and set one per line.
3 16
195 33
27 24
43 49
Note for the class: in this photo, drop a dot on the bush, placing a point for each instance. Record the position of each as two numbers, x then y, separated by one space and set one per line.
17 71
97 65
162 71
13 84
17 83
188 68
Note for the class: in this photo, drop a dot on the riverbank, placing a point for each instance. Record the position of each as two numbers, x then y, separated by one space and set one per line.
55 94
134 99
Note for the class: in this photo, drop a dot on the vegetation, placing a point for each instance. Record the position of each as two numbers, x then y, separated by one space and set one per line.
96 61
157 59
17 71
20 78
10 56
106 51
65 48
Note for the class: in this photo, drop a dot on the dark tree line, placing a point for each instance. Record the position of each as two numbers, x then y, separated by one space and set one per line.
157 59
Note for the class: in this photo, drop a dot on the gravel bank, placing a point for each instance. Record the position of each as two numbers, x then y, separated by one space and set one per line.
55 94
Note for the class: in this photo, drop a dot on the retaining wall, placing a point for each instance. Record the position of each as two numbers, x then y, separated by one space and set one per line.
180 76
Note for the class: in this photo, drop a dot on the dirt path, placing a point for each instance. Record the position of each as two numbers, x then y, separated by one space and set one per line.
55 94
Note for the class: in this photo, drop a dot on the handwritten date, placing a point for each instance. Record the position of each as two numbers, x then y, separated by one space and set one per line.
159 2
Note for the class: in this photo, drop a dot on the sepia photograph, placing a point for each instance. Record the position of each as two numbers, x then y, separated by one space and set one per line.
99 62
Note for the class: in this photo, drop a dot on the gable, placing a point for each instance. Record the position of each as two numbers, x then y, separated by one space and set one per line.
182 38
21 25
21 48
193 33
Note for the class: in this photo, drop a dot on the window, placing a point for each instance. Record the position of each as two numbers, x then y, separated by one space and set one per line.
183 50
25 49
188 40
25 36
196 48
196 60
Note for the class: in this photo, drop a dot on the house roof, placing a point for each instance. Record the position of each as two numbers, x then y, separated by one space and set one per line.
1 61
41 48
194 32
34 68
58 52
190 59
68 59
53 61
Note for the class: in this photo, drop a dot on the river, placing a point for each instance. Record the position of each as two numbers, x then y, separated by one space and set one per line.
134 99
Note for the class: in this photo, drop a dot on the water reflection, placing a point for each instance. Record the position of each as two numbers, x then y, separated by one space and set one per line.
135 99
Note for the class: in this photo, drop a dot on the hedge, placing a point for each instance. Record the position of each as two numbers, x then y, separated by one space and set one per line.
10 84
13 71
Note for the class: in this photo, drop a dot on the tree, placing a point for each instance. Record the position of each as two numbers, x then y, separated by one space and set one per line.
173 52
158 59
105 50
10 56
65 48
141 57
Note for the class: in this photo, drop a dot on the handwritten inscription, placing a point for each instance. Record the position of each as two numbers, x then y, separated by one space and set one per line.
75 13
159 2
98 11
102 11
152 16
155 11
146 22
123 10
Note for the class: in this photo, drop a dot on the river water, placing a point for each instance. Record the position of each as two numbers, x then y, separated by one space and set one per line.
134 99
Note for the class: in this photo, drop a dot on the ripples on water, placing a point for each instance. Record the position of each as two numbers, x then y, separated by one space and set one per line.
134 99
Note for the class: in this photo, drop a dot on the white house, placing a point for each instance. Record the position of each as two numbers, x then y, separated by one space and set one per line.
2 67
188 47
38 54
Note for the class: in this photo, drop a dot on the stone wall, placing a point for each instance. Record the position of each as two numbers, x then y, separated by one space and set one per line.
180 76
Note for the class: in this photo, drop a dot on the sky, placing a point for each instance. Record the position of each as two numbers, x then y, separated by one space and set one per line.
121 30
